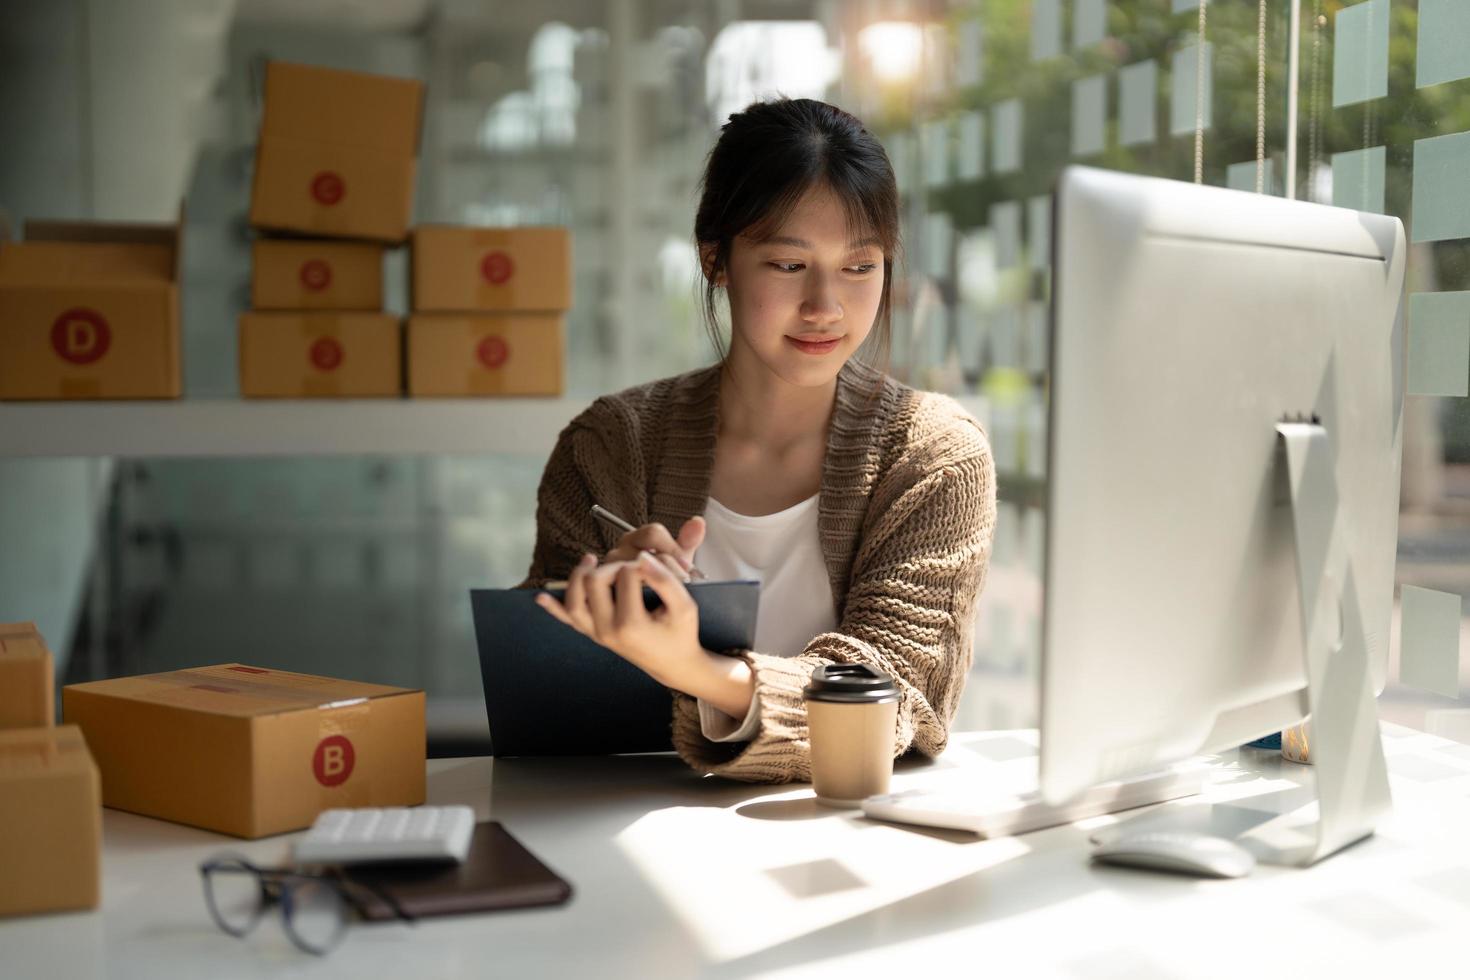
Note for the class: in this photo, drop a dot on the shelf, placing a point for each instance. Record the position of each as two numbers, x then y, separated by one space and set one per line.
235 427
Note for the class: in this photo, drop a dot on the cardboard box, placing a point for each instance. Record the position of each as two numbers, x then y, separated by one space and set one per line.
320 355
27 678
296 274
454 355
50 822
337 153
249 751
457 269
90 310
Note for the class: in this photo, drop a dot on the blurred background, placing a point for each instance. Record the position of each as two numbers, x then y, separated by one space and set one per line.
597 115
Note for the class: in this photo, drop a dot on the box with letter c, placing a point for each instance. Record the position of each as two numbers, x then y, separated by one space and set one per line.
458 355
458 269
314 354
309 274
337 153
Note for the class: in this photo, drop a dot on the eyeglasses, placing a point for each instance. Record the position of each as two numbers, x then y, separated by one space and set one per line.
314 905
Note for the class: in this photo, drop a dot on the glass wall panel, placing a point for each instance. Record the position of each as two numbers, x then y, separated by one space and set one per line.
598 115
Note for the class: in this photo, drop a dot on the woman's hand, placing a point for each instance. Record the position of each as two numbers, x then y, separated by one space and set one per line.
664 644
676 553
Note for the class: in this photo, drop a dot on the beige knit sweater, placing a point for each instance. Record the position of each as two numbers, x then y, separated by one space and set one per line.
906 513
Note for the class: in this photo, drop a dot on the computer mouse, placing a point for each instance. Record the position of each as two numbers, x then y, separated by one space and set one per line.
1179 851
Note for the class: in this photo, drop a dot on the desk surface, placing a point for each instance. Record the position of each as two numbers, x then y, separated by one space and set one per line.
681 876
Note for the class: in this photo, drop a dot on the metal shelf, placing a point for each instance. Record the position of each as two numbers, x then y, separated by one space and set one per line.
237 427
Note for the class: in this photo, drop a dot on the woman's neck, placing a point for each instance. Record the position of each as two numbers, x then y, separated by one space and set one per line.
758 406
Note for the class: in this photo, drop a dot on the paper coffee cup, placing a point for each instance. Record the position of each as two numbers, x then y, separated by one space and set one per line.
852 714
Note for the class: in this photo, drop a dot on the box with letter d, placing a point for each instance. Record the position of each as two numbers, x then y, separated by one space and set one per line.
90 310
250 751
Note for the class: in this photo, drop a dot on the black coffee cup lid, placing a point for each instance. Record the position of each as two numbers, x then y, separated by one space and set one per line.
854 683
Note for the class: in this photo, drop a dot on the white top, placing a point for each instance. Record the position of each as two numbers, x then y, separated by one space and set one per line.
784 553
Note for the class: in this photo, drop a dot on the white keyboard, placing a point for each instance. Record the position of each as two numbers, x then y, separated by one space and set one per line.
421 833
991 811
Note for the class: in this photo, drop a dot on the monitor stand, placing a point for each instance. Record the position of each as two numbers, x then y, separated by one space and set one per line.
1301 827
1345 747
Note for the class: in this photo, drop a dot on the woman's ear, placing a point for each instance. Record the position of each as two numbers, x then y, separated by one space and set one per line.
707 251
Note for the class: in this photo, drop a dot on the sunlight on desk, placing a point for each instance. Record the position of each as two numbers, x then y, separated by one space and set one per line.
745 878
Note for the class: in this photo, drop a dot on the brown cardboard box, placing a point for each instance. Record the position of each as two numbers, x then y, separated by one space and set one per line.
50 822
27 678
337 152
309 274
314 355
497 269
249 751
90 310
456 355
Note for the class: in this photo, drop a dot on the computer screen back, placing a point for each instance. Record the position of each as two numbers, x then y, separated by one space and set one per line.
1187 321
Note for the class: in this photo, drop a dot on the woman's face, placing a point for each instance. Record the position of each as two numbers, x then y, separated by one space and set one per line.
802 301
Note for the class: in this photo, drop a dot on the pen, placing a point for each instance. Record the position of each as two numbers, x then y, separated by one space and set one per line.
603 514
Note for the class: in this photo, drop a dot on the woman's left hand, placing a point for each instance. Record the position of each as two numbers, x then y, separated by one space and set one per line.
605 603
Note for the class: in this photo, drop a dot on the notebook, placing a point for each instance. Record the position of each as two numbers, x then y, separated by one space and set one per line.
498 873
549 690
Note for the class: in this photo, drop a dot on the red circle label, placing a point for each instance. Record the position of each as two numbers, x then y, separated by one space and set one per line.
333 760
80 335
327 187
316 274
326 354
493 352
497 268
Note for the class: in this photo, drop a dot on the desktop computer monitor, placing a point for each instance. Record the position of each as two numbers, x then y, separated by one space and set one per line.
1187 322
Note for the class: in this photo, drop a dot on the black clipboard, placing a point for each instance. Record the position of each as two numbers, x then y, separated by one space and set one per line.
497 873
549 690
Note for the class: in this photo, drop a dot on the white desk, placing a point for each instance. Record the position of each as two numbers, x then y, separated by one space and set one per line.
679 876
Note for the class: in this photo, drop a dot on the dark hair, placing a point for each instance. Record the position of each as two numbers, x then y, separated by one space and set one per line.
767 157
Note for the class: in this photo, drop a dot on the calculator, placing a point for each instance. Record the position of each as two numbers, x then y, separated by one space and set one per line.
420 833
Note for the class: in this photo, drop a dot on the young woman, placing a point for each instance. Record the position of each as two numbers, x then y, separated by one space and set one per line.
865 508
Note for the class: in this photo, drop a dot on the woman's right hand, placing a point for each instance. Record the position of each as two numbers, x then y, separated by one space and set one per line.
677 553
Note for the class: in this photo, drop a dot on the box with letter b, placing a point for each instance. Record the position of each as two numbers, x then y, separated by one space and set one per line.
250 751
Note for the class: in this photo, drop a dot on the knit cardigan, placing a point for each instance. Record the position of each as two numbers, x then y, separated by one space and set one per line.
906 514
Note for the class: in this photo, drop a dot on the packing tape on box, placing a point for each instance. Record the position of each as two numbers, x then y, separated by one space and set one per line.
321 326
326 381
23 634
322 384
30 757
80 387
339 728
31 635
172 683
